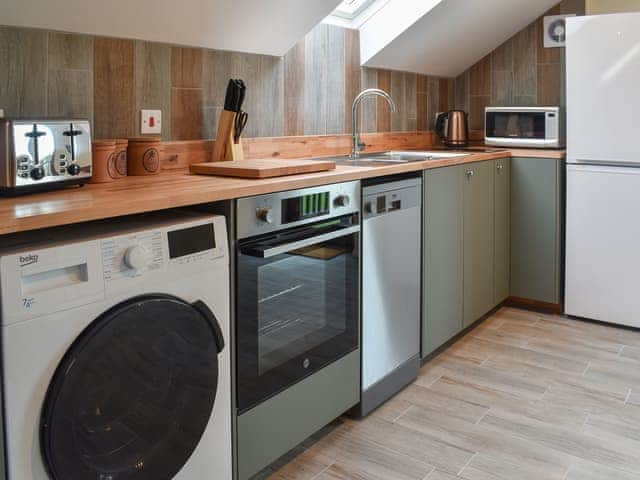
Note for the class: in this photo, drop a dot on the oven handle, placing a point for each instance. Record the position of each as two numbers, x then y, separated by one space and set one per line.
287 247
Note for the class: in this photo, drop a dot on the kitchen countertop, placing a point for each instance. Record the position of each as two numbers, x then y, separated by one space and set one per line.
133 195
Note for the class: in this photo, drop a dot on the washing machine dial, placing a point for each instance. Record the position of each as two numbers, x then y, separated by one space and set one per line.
136 257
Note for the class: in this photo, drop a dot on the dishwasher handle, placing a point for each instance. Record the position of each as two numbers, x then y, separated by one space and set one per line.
287 247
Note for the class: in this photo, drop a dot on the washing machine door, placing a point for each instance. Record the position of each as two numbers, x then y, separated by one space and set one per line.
134 393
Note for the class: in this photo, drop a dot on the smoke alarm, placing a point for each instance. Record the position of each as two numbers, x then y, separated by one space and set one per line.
555 30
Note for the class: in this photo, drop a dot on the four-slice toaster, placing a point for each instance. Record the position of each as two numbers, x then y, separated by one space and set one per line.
38 154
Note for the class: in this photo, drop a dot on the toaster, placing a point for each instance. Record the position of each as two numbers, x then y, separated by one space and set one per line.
38 155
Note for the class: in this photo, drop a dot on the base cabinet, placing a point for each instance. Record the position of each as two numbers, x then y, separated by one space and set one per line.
443 268
537 186
502 234
478 240
466 260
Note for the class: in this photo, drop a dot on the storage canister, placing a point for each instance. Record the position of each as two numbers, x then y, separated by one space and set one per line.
121 157
104 161
143 156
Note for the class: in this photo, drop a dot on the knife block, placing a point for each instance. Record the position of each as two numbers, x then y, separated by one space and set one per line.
225 148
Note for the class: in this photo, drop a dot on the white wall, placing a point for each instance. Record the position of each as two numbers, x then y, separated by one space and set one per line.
256 26
448 37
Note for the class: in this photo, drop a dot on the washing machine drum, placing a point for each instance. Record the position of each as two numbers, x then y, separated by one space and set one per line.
134 394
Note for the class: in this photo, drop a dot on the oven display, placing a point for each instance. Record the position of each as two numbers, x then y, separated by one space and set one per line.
304 207
191 240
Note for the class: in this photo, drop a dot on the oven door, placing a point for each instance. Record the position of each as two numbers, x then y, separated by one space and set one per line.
297 305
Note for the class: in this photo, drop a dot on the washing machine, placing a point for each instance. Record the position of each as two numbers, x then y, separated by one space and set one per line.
115 350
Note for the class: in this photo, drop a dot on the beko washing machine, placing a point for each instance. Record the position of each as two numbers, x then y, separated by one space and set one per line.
115 352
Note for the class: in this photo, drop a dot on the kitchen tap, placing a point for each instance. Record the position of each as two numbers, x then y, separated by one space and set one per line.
357 145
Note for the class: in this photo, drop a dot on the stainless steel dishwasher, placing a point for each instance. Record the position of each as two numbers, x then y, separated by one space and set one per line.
391 282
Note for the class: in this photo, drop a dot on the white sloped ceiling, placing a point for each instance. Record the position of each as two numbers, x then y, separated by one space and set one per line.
257 26
442 37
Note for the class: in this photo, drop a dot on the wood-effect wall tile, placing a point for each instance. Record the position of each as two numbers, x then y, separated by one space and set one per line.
451 100
502 57
434 105
368 108
383 112
23 72
186 114
398 93
422 102
186 67
462 92
476 113
549 84
315 101
294 81
153 82
353 80
502 88
113 95
480 77
336 87
70 51
445 94
525 62
411 124
70 75
70 93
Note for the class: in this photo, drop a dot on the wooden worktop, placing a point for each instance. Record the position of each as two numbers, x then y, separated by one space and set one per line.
133 195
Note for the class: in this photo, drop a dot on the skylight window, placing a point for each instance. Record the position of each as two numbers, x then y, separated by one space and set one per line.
350 9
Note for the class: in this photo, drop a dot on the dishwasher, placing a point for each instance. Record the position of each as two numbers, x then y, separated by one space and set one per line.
391 287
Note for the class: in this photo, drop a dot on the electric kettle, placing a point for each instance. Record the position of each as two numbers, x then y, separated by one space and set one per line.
453 128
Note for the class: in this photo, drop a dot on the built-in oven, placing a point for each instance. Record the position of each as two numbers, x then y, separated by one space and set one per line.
297 284
528 127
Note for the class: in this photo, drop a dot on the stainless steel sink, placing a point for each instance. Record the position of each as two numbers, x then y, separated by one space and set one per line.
393 157
411 156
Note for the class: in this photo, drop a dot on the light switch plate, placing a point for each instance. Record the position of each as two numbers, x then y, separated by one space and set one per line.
150 121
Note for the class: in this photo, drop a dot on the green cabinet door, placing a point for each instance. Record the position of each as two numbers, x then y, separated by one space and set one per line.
536 228
502 213
442 259
478 240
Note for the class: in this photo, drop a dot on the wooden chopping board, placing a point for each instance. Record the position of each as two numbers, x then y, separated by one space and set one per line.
262 168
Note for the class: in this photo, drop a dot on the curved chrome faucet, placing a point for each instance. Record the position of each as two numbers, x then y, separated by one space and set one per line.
370 92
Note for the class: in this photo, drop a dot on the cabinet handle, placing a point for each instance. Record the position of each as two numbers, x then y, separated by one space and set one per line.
470 174
500 168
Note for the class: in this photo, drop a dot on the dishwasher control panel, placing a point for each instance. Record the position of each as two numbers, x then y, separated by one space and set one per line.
390 197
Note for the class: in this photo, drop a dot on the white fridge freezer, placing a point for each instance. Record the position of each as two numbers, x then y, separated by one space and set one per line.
603 244
603 168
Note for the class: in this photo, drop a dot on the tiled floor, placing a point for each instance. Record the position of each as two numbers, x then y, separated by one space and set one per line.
522 396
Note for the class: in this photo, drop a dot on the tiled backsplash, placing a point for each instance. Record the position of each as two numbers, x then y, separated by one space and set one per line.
108 80
309 91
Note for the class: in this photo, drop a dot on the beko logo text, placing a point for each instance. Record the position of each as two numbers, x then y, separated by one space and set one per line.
28 260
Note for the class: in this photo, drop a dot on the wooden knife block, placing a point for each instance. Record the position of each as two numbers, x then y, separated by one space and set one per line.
225 149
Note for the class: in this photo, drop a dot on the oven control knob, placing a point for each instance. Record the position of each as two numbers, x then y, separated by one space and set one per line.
37 173
342 200
265 214
136 257
73 169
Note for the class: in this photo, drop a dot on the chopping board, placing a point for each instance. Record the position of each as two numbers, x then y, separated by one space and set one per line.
263 168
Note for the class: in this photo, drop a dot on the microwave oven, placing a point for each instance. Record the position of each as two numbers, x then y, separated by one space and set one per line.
526 127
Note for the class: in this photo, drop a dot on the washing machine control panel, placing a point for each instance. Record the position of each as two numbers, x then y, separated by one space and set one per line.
77 270
132 255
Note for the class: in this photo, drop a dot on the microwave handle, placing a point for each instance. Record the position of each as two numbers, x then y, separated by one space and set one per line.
288 247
